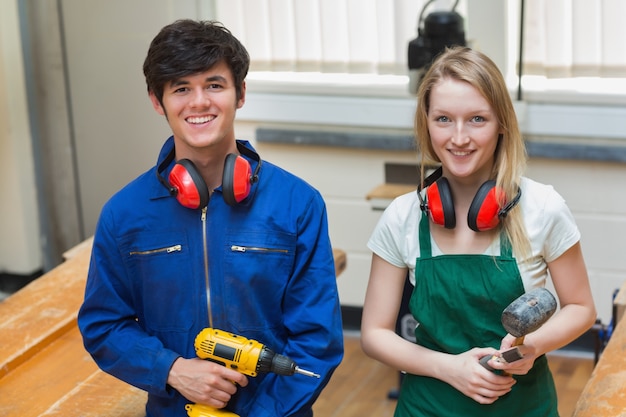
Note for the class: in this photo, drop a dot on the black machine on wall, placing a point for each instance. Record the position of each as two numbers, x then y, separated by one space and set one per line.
439 30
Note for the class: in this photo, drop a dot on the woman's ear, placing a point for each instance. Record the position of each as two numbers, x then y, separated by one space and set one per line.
156 103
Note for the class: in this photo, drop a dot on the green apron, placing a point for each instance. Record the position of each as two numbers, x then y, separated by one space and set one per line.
458 301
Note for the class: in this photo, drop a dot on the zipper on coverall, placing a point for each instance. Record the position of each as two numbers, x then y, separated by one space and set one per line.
207 280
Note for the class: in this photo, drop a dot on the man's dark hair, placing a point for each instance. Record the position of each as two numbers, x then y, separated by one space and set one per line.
188 47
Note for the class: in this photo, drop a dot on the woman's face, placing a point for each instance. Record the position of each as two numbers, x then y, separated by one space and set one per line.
463 129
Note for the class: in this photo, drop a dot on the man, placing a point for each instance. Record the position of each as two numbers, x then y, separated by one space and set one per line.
211 236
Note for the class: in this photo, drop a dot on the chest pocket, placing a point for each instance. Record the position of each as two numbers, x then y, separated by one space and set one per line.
257 269
163 280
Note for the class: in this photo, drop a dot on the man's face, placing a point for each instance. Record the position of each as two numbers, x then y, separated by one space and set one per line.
201 108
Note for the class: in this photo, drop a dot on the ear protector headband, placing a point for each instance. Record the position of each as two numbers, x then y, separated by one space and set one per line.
487 208
187 185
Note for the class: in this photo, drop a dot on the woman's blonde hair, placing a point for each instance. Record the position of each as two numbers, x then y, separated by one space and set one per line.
478 70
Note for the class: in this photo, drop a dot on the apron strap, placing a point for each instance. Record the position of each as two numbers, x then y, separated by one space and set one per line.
506 249
426 250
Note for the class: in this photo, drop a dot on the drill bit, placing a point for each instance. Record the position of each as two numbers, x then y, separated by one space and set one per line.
301 371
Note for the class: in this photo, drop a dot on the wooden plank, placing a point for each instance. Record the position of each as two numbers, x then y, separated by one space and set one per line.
605 393
80 248
44 369
389 191
38 383
62 380
41 311
100 395
382 195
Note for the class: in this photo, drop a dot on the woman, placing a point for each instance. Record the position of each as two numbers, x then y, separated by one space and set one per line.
475 237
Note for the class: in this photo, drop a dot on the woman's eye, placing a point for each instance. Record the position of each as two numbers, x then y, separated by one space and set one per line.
443 119
478 119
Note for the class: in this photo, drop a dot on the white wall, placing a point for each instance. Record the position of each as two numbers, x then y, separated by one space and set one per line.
117 132
19 222
592 191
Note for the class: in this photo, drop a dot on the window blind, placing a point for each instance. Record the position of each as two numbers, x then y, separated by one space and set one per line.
338 36
575 38
562 38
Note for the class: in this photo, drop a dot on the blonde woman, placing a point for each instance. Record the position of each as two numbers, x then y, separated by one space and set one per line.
476 236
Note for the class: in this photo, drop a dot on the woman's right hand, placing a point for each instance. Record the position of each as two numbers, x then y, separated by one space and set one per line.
467 375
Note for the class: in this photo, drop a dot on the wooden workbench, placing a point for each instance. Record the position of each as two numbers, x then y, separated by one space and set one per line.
605 392
380 197
44 368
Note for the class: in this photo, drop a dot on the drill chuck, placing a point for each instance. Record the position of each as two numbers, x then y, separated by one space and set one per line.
269 361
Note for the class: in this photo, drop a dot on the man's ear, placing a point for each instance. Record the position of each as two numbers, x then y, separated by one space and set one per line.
242 99
156 104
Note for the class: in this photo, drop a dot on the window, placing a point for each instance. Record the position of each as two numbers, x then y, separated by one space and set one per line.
305 52
562 38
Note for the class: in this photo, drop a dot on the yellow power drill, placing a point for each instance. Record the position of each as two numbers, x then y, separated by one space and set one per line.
243 355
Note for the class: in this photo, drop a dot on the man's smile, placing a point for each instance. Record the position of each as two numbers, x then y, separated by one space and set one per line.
199 120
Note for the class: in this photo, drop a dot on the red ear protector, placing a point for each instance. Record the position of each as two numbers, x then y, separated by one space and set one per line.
186 184
487 208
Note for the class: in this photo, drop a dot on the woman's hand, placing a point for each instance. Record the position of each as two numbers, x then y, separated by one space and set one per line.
518 367
468 376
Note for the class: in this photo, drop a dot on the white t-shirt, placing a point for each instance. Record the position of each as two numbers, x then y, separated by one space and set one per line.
549 223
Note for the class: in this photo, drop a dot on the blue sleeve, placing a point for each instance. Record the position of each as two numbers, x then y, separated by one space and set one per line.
108 322
312 316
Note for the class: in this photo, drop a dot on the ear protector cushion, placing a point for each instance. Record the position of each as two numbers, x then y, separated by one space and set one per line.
441 204
236 181
484 212
191 190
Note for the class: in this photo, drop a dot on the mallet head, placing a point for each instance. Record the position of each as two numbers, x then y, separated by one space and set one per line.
528 312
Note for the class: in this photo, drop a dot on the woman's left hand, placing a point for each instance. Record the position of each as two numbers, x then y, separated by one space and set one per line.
518 367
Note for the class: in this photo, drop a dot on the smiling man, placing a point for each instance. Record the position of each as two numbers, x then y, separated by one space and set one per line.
211 236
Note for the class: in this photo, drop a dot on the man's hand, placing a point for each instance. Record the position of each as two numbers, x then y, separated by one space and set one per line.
205 382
